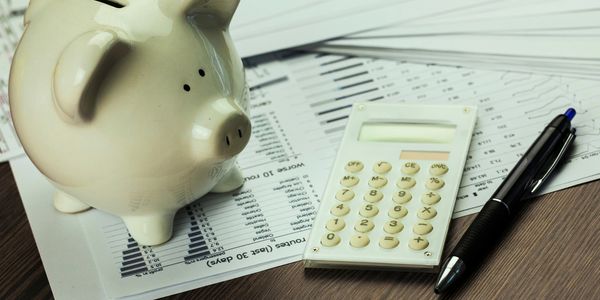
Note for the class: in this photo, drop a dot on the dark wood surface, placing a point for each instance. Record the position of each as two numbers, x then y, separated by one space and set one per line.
551 253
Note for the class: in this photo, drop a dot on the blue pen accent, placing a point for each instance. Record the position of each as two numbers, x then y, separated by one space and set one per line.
570 113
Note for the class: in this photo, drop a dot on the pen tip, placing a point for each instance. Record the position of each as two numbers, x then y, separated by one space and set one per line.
570 113
453 269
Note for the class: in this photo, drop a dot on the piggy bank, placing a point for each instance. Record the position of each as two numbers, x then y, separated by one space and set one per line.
133 107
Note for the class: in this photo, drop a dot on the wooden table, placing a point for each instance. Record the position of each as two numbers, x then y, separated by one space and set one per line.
552 253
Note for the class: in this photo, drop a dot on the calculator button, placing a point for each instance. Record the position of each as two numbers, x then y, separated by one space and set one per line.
418 243
382 167
330 239
438 169
430 198
377 181
340 210
354 166
364 225
434 183
397 212
369 210
410 168
393 226
426 213
344 195
336 224
402 196
406 182
349 181
373 196
359 240
388 242
422 228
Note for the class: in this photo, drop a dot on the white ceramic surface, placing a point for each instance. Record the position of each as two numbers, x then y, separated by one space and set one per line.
134 107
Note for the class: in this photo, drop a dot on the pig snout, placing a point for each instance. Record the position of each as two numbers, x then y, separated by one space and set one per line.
221 131
233 129
234 134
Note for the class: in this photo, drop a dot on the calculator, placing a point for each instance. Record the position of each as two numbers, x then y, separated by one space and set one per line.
390 196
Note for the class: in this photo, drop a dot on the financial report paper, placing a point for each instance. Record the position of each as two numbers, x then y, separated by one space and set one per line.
10 32
299 106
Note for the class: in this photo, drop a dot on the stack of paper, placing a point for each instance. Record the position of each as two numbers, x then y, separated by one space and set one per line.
556 36
265 26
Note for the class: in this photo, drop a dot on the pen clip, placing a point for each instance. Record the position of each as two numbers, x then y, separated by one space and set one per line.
538 183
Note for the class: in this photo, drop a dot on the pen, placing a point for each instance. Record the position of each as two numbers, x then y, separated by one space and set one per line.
526 178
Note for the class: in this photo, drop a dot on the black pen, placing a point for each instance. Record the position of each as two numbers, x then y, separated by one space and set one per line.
525 179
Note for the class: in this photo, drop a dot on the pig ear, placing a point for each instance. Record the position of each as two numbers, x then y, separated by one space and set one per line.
81 69
221 10
34 7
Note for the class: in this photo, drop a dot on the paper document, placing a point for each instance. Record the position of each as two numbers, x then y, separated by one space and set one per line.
550 37
513 109
300 103
10 32
314 22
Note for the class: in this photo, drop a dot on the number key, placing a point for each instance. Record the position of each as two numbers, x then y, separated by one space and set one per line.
340 210
364 225
373 196
336 224
369 210
393 226
330 239
344 195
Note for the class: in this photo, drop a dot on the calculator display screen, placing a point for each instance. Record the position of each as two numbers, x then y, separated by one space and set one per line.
407 132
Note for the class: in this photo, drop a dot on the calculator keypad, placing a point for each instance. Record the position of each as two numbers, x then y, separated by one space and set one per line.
402 196
438 169
336 224
398 211
388 242
410 168
373 196
330 239
382 167
359 240
340 210
344 195
418 243
397 202
364 225
354 166
349 181
430 198
422 228
369 210
406 182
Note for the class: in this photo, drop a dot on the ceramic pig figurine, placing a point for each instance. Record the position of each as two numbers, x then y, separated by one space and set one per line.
134 107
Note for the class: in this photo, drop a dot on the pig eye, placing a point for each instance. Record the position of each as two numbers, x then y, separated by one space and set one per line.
201 72
186 87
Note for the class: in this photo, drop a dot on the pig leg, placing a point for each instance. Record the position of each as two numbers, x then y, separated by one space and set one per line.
231 181
152 229
67 204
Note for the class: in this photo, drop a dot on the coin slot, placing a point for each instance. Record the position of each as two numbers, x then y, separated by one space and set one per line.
115 4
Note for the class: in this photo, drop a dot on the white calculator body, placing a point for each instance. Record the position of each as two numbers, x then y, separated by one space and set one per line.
390 196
